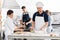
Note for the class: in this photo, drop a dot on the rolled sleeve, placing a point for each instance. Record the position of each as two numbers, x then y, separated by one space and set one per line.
34 17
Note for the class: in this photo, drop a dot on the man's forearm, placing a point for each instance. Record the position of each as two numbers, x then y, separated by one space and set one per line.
33 24
21 22
17 28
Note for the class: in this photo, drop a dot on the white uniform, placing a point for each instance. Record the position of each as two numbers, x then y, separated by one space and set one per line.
9 27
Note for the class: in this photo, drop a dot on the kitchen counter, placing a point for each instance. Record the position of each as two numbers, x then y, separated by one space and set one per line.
29 35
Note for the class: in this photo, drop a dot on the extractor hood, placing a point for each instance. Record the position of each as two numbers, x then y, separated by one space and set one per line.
10 4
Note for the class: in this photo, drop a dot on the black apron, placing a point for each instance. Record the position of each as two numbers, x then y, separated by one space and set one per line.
26 19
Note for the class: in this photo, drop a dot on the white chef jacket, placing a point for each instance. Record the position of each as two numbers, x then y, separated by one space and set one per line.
9 27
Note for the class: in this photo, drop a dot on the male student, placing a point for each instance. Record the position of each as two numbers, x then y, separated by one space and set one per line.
9 25
40 19
26 20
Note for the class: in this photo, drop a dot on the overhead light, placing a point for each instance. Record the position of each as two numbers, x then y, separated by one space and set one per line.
10 4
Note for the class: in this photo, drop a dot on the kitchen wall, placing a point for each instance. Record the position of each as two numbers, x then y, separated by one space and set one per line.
55 15
52 5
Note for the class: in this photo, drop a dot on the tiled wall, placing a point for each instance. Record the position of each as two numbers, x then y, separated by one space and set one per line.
56 17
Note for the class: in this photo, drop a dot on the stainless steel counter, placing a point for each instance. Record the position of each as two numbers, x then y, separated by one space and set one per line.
32 36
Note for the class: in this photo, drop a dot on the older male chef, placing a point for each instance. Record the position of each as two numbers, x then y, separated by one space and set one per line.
40 18
9 25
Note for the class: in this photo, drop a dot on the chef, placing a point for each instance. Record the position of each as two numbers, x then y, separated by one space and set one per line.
9 25
40 18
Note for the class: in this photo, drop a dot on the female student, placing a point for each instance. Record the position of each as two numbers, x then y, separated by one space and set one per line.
50 21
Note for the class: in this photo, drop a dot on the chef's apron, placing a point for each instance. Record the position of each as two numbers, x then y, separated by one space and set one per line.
39 22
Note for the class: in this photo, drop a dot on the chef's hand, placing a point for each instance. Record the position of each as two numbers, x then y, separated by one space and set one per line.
17 28
27 23
42 28
31 28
